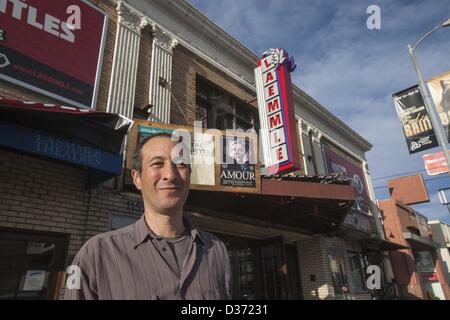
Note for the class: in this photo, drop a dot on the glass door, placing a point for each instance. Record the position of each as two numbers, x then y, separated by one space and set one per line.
274 269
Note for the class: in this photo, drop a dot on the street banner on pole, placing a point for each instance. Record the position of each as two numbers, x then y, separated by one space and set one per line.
416 123
439 87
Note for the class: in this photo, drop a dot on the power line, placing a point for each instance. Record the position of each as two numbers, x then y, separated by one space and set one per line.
429 179
405 173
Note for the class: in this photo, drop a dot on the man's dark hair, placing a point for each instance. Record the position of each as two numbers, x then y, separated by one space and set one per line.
137 156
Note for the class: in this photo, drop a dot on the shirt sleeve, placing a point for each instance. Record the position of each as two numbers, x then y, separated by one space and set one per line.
81 281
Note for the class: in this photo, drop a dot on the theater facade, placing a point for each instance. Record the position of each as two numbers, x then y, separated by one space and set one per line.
70 119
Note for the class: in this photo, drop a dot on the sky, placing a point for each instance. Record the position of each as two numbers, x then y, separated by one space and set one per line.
350 69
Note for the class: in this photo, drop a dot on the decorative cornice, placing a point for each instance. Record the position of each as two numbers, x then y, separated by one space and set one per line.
317 135
163 39
130 18
304 126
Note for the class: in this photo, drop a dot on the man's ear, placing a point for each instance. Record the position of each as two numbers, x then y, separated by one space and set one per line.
136 179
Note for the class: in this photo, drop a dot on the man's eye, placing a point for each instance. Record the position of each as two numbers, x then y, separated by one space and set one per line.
157 164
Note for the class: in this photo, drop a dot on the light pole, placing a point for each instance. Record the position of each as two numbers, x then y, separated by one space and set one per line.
442 193
429 104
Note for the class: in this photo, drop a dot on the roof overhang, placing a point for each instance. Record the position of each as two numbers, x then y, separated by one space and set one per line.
368 241
418 242
278 187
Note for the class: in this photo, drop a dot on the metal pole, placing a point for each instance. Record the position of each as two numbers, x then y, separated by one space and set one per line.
430 107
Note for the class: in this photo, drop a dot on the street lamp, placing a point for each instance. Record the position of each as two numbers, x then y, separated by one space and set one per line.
429 104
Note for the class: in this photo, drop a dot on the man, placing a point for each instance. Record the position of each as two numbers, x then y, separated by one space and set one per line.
161 256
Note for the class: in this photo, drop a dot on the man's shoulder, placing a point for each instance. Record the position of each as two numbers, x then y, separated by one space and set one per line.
103 239
211 240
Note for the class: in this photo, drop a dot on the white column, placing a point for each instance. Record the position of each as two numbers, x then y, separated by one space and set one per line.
318 154
122 86
161 75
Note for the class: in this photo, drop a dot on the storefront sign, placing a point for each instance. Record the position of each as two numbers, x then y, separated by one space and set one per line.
416 123
40 48
59 148
276 111
338 164
435 163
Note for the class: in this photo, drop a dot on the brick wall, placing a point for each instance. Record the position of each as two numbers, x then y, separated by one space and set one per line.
46 195
184 69
313 261
39 194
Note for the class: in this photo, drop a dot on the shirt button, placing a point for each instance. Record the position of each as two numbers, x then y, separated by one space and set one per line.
164 248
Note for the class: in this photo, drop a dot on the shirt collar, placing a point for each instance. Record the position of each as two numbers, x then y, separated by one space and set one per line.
142 232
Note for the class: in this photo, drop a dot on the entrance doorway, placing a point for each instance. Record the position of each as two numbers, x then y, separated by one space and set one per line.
30 262
262 269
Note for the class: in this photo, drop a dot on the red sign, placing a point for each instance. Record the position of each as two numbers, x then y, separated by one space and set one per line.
430 276
435 163
276 112
53 47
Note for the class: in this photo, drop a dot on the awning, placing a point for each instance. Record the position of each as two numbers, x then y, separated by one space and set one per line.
82 137
377 244
369 242
307 207
418 242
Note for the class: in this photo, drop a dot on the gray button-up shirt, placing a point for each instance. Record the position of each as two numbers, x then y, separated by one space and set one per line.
134 263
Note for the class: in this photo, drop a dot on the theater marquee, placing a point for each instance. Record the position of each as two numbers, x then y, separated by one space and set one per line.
276 112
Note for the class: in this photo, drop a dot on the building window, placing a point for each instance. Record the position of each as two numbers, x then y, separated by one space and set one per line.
356 272
217 109
31 264
340 285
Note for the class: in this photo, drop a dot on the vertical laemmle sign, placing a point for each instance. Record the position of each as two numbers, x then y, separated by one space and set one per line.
276 112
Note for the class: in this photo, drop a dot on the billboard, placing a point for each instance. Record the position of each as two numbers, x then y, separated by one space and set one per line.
53 47
336 163
276 111
416 123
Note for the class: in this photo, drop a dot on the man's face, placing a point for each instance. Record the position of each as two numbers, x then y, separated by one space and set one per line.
164 185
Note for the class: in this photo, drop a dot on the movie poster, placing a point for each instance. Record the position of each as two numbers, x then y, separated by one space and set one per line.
203 160
238 165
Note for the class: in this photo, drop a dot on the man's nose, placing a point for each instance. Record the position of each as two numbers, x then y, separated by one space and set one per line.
171 172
